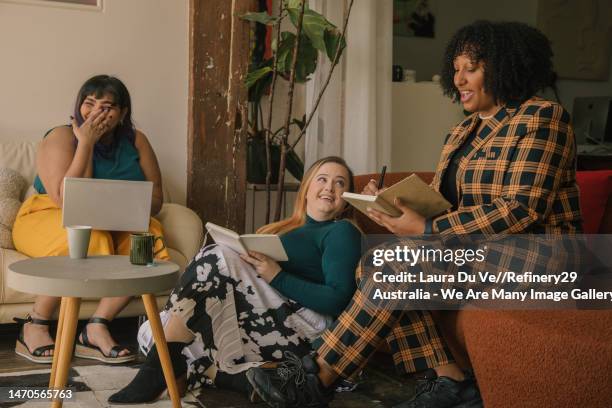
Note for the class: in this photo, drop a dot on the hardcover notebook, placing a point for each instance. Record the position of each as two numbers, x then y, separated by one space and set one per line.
414 193
267 244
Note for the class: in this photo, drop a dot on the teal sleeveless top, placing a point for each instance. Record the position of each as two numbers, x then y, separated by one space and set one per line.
123 164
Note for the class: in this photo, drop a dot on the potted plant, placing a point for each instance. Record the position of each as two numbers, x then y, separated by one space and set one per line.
294 58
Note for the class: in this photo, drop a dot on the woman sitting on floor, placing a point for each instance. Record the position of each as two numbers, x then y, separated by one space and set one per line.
102 143
231 312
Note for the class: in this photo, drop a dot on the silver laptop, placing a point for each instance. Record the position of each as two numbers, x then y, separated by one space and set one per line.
110 205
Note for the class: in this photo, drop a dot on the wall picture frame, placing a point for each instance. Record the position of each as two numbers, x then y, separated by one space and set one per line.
85 5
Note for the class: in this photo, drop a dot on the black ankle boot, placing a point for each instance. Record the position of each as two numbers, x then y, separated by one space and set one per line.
149 382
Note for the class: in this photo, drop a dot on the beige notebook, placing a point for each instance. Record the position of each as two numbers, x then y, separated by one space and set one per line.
267 244
413 192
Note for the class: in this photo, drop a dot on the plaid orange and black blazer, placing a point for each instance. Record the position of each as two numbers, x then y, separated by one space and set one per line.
519 177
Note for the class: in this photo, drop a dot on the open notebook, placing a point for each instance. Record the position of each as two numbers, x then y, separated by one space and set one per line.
413 192
267 244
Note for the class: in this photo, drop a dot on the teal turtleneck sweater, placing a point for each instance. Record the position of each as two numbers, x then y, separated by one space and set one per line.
320 272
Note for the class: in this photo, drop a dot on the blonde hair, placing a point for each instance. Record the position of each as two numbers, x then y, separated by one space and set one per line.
298 218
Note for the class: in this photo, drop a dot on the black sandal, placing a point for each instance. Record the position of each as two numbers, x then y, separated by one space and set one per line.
84 349
22 349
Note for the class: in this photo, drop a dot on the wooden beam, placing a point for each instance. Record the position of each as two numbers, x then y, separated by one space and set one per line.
218 62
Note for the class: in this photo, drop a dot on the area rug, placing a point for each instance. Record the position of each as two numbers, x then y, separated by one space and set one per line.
92 385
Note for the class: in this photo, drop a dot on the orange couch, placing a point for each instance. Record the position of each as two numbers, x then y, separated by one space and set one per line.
533 358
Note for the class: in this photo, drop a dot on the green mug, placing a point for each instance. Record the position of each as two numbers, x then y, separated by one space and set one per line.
141 248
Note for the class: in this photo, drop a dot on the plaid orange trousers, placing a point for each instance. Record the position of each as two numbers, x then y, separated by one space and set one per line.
359 331
415 341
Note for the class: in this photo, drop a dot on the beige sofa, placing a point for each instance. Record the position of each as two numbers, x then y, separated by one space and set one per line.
182 232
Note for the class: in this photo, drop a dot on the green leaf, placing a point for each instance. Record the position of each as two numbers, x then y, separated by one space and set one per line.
314 26
307 56
262 17
259 80
332 40
257 91
294 4
254 76
284 51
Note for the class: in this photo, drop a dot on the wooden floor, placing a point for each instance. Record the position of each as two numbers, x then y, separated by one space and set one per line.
124 330
380 386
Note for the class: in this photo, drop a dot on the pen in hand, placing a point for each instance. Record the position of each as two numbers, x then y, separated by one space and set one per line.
381 180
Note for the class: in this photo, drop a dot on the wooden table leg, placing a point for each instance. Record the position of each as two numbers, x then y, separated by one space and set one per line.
162 348
71 316
58 341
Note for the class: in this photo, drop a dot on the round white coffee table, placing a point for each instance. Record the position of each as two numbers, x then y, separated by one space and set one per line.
95 276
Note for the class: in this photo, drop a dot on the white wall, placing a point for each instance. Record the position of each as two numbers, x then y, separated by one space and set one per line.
425 55
48 52
421 119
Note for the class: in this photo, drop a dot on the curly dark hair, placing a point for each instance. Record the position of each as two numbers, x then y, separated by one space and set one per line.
517 60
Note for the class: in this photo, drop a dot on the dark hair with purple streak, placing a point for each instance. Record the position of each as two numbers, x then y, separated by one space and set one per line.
99 86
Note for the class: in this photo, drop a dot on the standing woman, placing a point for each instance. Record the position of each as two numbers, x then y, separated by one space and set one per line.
101 142
231 312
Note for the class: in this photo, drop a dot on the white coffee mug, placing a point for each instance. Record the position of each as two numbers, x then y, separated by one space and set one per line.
78 240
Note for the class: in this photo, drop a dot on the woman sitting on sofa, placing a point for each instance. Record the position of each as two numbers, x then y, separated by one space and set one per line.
231 312
101 142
